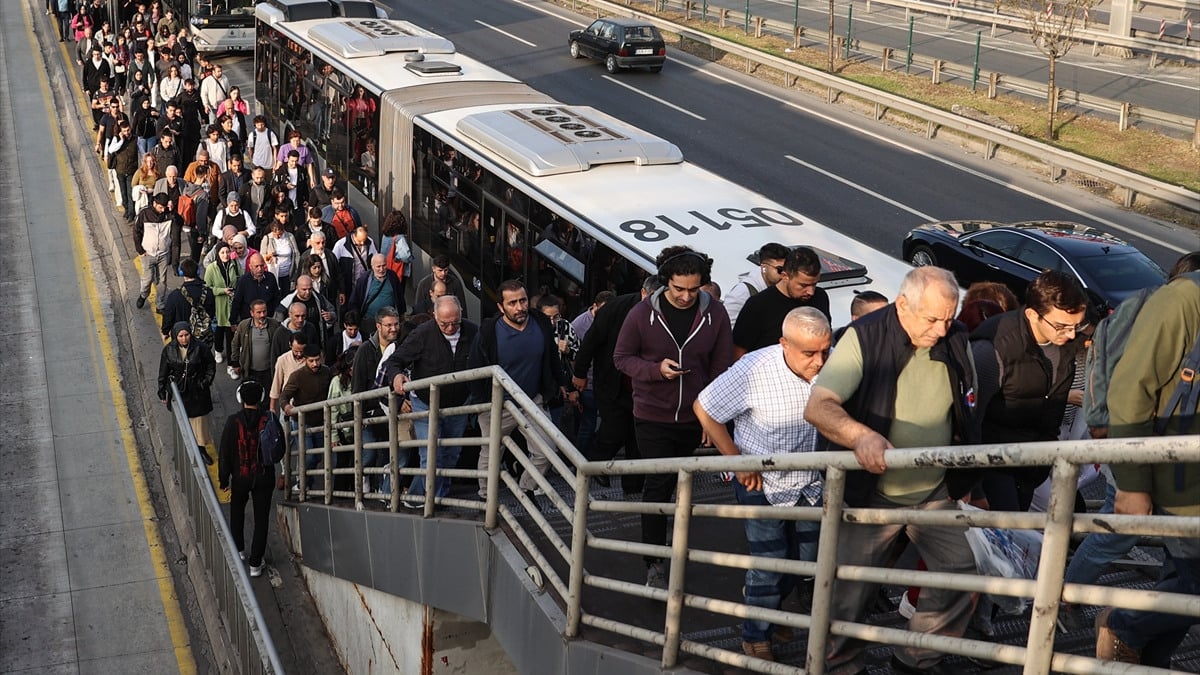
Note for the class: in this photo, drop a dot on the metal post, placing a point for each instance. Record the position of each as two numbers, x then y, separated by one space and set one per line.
358 440
975 73
747 17
431 447
795 17
676 577
1052 566
496 452
393 451
849 25
302 464
704 15
831 523
327 454
908 59
578 548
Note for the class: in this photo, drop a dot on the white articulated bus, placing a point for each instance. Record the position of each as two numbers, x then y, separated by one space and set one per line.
510 183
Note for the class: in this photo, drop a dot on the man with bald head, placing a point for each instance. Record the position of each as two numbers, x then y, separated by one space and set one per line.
434 348
255 284
321 315
901 377
380 288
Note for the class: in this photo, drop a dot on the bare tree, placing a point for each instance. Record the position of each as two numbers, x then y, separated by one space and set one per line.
1052 26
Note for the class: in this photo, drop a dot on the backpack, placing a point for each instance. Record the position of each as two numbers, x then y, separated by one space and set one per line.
258 451
198 317
1108 344
390 260
271 447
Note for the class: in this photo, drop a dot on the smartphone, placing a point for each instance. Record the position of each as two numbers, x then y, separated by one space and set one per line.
678 369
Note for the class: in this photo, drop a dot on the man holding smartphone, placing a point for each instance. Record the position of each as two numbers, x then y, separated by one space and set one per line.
671 346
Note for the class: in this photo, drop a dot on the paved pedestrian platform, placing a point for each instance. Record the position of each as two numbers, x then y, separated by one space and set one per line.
84 584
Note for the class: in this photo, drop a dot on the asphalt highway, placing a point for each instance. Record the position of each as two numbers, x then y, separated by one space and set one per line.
866 179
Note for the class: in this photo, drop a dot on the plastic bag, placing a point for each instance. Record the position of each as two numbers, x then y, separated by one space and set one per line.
1012 554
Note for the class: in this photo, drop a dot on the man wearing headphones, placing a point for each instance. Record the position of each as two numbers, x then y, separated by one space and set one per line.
671 346
241 470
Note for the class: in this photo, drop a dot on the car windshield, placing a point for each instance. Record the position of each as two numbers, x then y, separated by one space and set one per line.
640 33
1122 271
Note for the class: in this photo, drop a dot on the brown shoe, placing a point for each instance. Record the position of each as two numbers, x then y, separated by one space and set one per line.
759 650
1109 647
783 634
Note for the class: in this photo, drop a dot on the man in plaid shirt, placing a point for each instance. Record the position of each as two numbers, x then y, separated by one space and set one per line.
765 393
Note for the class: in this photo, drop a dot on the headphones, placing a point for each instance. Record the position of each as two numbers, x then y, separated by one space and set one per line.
705 262
241 399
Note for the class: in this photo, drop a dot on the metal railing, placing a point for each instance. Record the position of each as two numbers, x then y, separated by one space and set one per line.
576 504
242 618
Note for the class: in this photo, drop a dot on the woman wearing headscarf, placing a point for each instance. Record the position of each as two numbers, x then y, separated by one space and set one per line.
221 276
189 364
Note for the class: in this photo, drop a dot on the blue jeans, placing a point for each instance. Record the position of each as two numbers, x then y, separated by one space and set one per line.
783 539
1098 549
587 422
1155 634
451 426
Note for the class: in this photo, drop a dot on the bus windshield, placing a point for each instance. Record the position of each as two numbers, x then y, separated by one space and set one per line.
222 7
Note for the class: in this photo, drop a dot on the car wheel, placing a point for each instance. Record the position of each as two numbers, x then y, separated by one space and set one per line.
576 53
922 256
610 64
656 69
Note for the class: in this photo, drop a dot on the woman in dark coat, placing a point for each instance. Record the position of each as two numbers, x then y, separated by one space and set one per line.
190 365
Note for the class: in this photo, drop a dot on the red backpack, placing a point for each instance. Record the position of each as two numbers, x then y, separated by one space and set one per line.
248 463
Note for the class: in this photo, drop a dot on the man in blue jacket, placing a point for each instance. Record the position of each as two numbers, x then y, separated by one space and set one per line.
671 346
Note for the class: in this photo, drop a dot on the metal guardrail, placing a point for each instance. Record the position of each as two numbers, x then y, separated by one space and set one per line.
243 620
1125 112
576 504
1057 160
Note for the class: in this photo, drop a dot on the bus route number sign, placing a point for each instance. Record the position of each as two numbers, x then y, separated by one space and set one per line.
727 218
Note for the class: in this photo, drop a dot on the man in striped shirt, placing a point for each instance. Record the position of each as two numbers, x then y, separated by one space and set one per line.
765 393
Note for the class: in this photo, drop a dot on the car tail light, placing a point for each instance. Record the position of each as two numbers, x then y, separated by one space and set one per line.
662 51
623 51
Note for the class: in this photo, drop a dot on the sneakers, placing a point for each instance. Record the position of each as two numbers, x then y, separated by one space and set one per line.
656 577
1109 647
758 650
231 372
141 301
907 608
218 357
256 571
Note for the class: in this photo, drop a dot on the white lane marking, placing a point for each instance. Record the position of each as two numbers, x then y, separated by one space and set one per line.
654 98
505 33
930 156
856 186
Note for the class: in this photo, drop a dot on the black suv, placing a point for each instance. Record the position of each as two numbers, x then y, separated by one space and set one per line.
621 43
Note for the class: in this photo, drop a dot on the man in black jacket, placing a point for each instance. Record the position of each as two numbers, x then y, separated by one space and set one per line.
613 392
368 374
255 284
181 300
436 347
901 377
522 343
1026 364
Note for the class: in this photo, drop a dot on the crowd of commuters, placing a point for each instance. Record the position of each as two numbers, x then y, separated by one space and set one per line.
279 280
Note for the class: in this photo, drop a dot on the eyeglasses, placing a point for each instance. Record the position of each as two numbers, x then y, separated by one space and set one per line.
1065 329
449 324
779 269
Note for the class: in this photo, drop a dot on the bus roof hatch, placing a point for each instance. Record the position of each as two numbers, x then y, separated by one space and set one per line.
546 141
357 38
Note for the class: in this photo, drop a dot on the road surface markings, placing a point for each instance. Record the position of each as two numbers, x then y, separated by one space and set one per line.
856 186
505 33
654 98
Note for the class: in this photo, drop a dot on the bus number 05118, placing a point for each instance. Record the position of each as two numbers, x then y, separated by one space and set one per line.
648 230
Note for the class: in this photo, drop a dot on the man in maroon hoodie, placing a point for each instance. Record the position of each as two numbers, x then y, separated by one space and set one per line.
671 346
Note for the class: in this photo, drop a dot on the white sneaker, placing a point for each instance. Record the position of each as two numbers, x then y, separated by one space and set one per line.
218 357
257 571
232 373
907 609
